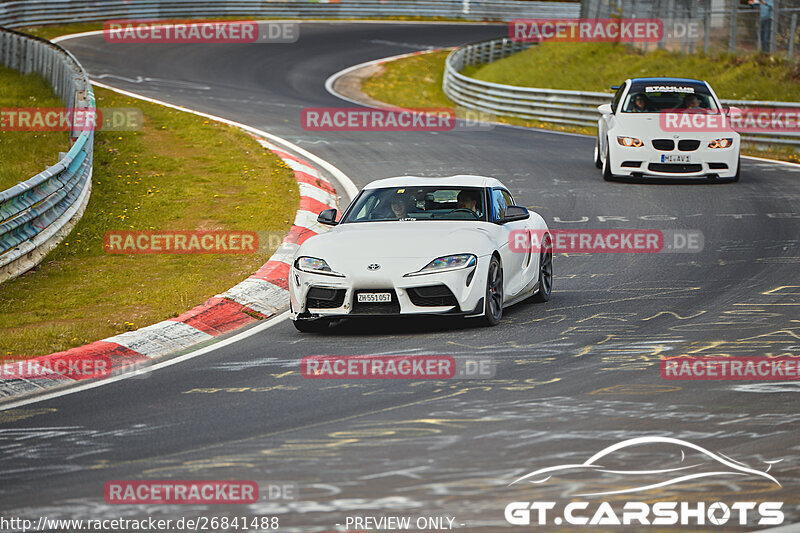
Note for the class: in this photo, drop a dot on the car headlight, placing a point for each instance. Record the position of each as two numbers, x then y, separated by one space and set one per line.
720 143
631 142
446 264
315 265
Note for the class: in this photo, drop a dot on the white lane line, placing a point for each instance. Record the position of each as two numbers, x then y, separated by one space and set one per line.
79 388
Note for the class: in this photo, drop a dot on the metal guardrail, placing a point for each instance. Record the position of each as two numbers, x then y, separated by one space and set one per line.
37 213
577 108
33 12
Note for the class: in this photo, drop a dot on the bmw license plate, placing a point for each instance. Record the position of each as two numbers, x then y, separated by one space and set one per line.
676 158
374 297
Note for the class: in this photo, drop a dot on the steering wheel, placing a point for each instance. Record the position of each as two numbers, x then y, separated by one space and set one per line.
465 210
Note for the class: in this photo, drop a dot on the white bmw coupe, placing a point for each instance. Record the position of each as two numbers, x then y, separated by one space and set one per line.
416 245
666 127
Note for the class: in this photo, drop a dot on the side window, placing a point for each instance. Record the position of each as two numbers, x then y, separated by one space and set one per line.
617 98
507 197
499 204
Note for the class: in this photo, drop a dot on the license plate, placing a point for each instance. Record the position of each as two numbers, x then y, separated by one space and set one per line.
676 158
374 297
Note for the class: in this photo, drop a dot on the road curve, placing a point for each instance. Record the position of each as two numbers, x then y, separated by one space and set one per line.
574 375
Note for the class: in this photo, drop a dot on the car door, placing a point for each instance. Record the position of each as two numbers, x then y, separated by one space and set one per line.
513 271
606 122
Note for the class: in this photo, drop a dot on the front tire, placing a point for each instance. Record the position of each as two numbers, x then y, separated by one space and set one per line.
493 308
607 175
597 161
311 326
738 169
545 277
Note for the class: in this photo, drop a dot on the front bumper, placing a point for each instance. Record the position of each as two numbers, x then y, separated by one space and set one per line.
647 161
458 292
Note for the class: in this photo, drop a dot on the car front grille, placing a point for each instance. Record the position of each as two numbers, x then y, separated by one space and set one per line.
432 296
688 145
375 308
664 144
675 168
323 298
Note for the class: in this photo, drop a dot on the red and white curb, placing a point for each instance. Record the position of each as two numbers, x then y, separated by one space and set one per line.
260 296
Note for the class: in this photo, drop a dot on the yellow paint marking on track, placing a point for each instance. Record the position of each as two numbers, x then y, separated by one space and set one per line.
767 304
776 289
676 315
607 316
15 415
636 389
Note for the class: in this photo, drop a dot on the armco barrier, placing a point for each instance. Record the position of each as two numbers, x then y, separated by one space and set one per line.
32 12
37 213
551 105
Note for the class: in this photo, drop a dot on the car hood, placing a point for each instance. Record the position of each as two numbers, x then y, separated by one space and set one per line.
649 125
389 240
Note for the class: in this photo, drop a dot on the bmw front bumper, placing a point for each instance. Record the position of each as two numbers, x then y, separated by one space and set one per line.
647 161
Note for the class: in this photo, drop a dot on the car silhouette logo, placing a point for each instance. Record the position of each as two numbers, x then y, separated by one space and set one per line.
695 463
373 266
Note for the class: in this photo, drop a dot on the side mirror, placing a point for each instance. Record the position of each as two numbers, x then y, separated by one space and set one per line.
327 217
605 109
515 213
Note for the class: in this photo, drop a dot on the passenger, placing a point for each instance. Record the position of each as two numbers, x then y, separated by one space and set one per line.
691 101
468 200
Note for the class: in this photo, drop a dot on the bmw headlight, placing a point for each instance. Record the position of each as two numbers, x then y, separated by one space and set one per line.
720 143
630 142
315 265
446 264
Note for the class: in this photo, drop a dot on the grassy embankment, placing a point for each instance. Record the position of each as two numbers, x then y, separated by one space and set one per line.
178 172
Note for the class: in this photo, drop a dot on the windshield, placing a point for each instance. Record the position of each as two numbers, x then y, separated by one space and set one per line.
418 203
673 96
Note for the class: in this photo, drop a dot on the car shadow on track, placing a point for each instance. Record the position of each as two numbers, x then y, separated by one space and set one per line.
673 181
394 325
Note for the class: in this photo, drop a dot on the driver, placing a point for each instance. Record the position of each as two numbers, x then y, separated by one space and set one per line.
400 206
640 104
468 200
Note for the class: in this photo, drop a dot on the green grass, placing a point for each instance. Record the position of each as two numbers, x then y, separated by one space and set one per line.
416 82
180 172
23 154
597 66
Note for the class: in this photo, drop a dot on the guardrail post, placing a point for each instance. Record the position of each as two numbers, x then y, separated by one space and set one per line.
773 33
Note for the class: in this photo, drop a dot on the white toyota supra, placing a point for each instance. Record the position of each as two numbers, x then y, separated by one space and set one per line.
666 127
415 246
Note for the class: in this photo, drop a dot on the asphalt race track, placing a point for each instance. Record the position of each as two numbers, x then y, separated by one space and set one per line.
573 375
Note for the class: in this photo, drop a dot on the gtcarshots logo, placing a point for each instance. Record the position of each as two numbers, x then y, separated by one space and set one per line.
679 462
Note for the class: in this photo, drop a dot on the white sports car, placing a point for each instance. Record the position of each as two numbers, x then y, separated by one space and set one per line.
415 245
666 127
